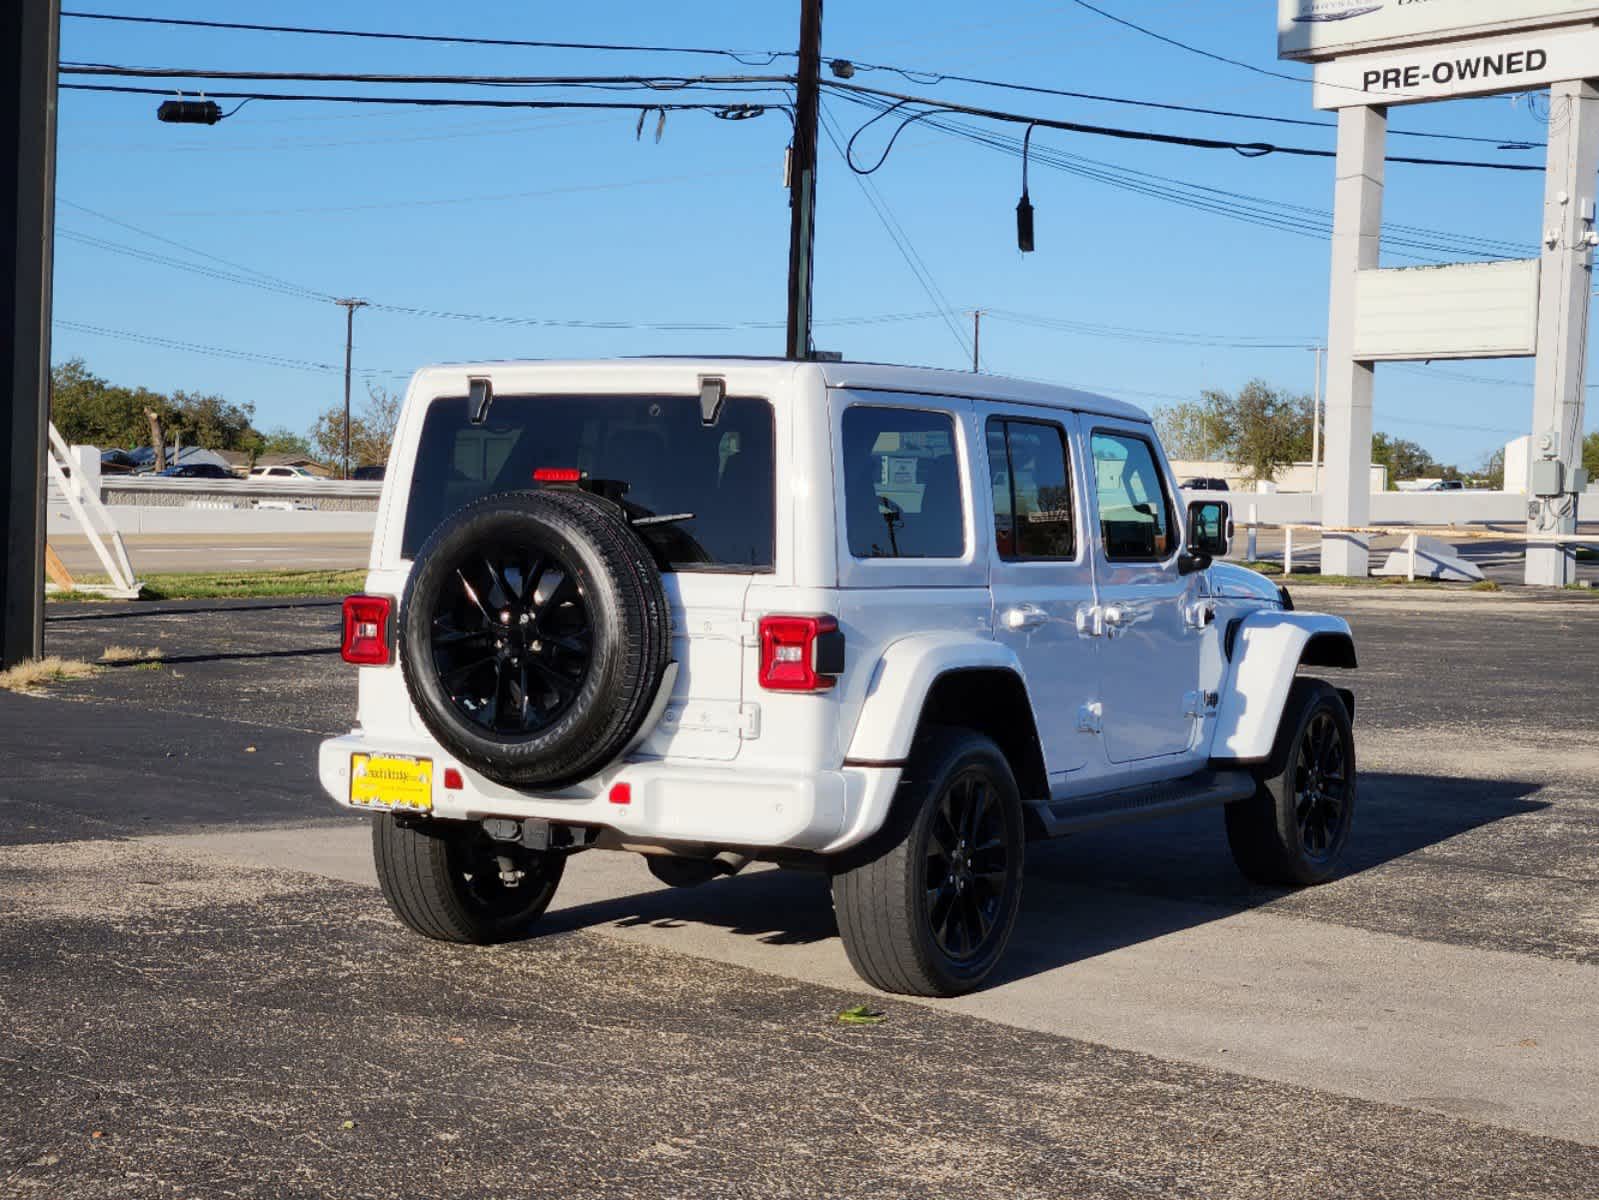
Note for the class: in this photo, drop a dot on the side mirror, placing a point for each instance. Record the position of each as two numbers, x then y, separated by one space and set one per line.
1209 528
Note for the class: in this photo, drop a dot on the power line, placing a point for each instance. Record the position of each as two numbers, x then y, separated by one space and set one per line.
766 58
655 82
1161 37
902 242
769 56
933 78
227 262
1149 336
270 360
927 107
726 111
1299 220
194 268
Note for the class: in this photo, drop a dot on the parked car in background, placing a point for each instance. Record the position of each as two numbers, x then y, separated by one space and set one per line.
368 473
1205 484
1446 485
280 472
197 471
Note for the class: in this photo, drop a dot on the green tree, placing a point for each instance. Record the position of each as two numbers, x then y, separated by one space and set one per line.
371 430
1590 454
1492 471
1403 458
1196 430
90 410
209 421
284 441
1272 428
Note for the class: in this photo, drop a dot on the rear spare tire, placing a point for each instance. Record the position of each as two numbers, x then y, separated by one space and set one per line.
534 634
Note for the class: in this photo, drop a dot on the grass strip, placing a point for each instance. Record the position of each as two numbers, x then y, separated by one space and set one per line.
232 585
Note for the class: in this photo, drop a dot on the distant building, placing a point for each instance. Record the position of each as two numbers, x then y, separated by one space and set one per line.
1296 478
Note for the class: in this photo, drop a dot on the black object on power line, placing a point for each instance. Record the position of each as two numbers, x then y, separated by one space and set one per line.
189 112
1024 206
802 181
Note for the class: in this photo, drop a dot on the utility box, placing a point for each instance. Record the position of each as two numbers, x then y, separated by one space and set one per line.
1546 478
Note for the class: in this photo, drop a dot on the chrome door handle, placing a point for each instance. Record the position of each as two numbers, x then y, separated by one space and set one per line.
1117 617
1024 616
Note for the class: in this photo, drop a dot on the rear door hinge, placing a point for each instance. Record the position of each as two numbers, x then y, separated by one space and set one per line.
749 722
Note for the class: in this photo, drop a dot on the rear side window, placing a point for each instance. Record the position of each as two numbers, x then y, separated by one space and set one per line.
1028 467
1135 514
902 489
652 453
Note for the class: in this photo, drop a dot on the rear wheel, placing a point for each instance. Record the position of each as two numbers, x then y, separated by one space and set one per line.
1295 828
931 908
450 881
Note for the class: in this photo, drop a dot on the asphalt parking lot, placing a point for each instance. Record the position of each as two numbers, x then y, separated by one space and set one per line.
202 993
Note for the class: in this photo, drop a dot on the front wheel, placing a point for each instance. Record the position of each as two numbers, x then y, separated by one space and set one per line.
450 881
930 911
1295 828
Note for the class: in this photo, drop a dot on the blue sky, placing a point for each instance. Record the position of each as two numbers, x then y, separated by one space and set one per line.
565 216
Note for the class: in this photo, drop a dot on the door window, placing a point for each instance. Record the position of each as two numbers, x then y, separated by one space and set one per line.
1135 513
902 489
1031 478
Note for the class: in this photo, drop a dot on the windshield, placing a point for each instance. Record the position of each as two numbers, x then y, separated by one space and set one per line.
652 453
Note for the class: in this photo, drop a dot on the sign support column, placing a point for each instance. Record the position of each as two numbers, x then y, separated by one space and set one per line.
1563 305
28 41
1356 246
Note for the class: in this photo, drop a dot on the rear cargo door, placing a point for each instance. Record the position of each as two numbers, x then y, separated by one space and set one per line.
705 717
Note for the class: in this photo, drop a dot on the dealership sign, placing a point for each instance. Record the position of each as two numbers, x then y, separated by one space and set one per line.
1492 64
1322 29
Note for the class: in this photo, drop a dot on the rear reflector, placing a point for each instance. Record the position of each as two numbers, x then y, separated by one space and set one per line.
800 654
366 630
452 779
621 793
557 475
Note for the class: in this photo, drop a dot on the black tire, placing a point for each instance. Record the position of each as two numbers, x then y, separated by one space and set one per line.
908 932
442 880
534 634
1293 831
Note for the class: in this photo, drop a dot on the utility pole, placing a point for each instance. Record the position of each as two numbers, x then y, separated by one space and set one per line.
29 41
977 340
802 181
349 307
1315 427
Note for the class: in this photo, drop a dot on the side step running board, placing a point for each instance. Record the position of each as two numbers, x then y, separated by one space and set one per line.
1204 789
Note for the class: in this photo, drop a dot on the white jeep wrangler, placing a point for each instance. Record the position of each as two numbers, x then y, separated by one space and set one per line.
885 622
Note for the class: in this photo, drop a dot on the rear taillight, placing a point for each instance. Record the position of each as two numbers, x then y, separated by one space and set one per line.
800 654
366 630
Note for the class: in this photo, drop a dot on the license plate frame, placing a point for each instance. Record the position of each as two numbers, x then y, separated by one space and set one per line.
404 785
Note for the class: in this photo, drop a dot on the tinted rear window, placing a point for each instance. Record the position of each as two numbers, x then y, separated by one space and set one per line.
902 489
719 477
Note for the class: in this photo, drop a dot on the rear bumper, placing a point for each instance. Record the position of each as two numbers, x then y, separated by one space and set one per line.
823 811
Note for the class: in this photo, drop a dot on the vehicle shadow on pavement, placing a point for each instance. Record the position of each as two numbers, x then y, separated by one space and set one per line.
779 908
1100 892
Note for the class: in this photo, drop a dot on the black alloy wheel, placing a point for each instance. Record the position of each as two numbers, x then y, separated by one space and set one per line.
1322 786
512 640
967 866
1296 827
926 906
448 880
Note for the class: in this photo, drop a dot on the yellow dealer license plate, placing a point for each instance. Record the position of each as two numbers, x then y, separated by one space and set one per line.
391 781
